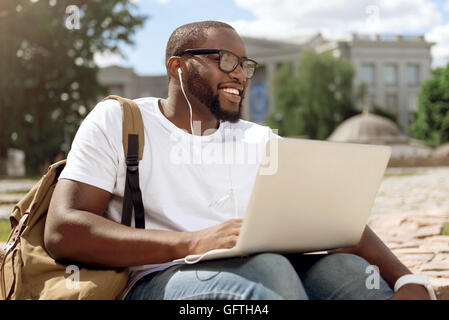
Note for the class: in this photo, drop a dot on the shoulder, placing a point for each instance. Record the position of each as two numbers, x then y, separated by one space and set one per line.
255 130
248 125
105 109
111 110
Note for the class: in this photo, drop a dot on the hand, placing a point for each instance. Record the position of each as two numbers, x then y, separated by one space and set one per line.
223 235
411 291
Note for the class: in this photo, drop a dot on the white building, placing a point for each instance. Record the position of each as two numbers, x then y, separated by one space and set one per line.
392 68
126 83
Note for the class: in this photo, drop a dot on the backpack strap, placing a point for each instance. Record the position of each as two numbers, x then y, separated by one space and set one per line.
133 143
9 245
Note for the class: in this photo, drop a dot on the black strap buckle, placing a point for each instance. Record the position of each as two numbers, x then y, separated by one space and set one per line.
132 162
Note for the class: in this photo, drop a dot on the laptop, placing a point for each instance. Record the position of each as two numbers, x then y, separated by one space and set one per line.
308 196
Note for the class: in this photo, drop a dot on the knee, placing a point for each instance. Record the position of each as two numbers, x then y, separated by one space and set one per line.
269 265
276 273
347 259
346 263
345 276
270 259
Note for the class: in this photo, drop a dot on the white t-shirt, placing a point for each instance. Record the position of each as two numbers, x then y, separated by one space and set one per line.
188 182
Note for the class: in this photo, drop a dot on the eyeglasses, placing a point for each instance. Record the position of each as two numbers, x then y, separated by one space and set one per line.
228 60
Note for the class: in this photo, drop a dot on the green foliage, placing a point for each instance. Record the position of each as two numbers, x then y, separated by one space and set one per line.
49 78
317 100
287 118
432 119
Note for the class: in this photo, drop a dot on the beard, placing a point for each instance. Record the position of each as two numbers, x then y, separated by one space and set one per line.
200 89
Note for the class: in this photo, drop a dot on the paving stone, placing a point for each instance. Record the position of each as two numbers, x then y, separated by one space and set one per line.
413 251
426 221
433 266
428 231
436 247
442 258
437 239
415 261
441 286
444 213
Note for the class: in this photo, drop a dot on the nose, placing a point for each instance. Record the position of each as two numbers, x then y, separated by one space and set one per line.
238 74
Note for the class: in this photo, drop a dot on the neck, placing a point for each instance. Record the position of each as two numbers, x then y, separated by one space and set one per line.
176 109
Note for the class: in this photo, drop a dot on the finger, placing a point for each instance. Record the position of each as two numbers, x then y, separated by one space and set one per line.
235 231
238 222
230 241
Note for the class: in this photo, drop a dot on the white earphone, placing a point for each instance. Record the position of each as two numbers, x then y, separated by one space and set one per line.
231 190
185 96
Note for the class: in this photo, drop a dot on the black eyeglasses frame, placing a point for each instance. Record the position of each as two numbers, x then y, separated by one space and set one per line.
221 52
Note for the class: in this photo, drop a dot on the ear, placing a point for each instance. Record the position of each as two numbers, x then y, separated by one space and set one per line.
173 64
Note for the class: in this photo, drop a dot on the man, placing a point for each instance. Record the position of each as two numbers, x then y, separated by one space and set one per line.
192 207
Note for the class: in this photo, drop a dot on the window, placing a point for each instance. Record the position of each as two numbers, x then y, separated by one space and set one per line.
390 74
367 74
412 74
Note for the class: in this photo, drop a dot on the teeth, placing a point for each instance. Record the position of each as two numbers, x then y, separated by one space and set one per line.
231 90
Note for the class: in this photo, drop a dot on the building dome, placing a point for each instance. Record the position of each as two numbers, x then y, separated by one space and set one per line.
368 128
373 129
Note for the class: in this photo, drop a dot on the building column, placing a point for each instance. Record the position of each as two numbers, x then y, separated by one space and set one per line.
271 70
379 84
402 98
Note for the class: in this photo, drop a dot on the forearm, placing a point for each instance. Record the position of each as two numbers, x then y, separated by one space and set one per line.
373 250
91 239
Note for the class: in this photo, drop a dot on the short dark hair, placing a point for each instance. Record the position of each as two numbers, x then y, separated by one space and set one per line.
190 36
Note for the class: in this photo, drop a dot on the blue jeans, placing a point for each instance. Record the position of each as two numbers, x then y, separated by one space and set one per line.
265 276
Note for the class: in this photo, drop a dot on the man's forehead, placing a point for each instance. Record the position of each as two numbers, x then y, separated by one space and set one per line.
224 38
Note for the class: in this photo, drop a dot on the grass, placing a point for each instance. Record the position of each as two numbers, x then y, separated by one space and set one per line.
445 229
5 229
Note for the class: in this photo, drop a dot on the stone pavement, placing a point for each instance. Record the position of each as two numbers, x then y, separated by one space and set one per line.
410 208
408 216
414 237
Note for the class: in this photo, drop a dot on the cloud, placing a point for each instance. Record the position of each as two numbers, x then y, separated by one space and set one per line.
106 59
440 52
336 18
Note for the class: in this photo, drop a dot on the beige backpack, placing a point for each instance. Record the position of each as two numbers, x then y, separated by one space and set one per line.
26 269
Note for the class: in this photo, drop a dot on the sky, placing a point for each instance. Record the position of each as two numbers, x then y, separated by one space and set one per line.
280 19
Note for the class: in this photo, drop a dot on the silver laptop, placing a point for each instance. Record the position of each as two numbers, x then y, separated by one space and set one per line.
308 196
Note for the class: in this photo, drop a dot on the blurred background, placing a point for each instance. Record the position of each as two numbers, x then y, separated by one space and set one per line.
368 71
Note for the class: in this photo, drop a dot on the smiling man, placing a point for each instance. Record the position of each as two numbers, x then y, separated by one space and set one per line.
192 208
